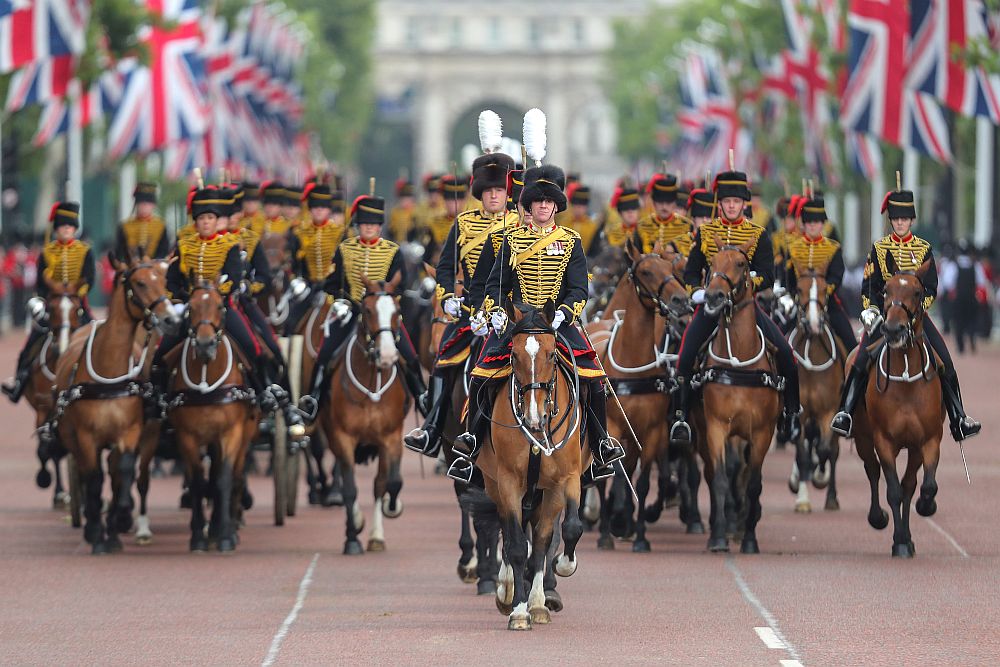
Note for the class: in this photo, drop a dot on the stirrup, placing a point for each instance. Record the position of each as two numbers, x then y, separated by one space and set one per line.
465 444
461 470
595 473
965 428
608 451
417 440
308 407
842 424
680 433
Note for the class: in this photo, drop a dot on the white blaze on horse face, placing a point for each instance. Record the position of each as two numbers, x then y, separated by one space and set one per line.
385 307
65 307
814 321
531 346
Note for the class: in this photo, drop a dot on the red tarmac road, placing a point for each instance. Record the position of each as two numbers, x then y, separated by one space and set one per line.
823 592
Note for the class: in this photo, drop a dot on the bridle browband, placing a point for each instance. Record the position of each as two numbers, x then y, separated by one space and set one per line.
912 315
218 330
736 287
372 336
148 317
644 292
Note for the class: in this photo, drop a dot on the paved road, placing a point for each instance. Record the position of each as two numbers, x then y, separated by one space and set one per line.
823 592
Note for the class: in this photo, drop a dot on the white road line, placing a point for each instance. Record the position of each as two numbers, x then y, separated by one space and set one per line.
279 636
791 663
770 639
768 617
958 547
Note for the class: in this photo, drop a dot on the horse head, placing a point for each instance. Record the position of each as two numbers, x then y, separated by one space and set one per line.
904 306
380 320
145 289
655 284
65 311
206 316
533 359
729 280
811 297
275 248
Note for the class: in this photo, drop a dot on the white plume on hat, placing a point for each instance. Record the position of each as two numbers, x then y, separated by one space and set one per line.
490 131
534 135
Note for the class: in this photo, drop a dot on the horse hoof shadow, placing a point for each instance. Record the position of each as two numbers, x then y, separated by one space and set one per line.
606 543
486 587
749 546
718 545
695 528
353 548
553 601
375 546
832 504
540 615
926 506
640 546
903 550
43 478
878 519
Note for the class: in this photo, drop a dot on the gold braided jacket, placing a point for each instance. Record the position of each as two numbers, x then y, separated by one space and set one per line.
264 225
586 227
144 233
317 248
908 255
737 234
203 259
805 254
402 222
64 262
361 259
675 229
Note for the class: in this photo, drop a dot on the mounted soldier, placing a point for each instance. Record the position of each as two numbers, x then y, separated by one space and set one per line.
578 217
272 194
900 251
366 256
537 263
144 234
66 265
466 243
701 207
731 192
454 191
291 206
403 217
665 225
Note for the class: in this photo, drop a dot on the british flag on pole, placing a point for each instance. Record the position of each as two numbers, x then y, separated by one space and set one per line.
33 30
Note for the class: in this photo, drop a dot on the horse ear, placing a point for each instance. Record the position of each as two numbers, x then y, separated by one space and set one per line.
747 247
514 312
924 268
632 253
369 285
549 310
430 270
717 238
394 283
118 265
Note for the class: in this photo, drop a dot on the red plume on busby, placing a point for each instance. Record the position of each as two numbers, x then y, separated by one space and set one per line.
55 207
885 201
306 190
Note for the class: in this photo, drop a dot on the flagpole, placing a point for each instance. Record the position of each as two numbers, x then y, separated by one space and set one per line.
911 169
126 184
984 181
74 150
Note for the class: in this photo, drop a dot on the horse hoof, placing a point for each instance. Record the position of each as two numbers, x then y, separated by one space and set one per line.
467 571
540 615
696 528
503 607
123 522
226 544
640 546
803 508
519 622
43 478
821 479
99 549
652 513
606 543
353 548
314 497
832 504
902 551
61 501
377 546
926 507
793 484
718 545
333 499
553 601
114 544
749 546
199 544
878 519
486 587
143 540
246 502
390 512
186 499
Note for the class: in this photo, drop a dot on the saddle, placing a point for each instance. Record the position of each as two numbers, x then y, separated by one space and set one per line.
735 377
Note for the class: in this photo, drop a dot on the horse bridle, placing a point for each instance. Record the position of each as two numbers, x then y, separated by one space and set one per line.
644 292
218 330
149 318
803 308
911 315
371 337
736 287
549 387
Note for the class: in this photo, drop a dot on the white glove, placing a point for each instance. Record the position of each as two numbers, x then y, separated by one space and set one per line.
299 289
559 318
499 320
478 324
453 306
871 318
36 308
341 310
786 303
698 296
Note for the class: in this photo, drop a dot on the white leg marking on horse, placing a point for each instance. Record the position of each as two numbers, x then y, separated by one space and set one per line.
279 637
521 611
358 516
377 533
565 567
531 346
951 540
142 530
385 306
772 622
536 598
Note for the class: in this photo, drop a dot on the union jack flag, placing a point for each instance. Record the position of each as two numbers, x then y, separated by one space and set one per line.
939 28
880 97
103 95
164 103
33 30
40 82
863 153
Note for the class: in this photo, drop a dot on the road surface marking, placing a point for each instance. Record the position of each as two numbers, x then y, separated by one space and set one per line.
791 663
947 536
279 637
768 617
770 639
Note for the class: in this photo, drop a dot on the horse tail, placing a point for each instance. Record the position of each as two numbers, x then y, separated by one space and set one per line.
476 502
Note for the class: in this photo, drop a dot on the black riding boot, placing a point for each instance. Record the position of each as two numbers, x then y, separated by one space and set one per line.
468 444
854 389
154 404
427 438
414 380
15 389
606 450
962 426
680 432
278 397
309 402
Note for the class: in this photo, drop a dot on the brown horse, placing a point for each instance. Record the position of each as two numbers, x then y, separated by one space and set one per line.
274 302
902 410
100 403
638 367
65 312
532 465
214 413
363 416
734 421
821 359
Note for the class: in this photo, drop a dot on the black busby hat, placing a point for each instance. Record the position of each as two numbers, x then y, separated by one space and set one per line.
662 188
404 188
65 213
579 195
899 204
318 195
144 192
732 184
251 191
701 203
545 182
454 187
239 194
272 192
210 200
432 183
490 171
368 210
625 199
814 210
293 195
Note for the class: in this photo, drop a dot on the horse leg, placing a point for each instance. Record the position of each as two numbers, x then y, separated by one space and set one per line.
191 455
801 474
832 503
926 504
572 530
718 482
392 504
376 540
515 547
541 539
641 544
119 517
604 540
655 509
549 581
758 449
467 562
222 504
878 518
734 501
147 449
622 508
894 496
59 493
690 480
92 474
355 520
908 486
335 489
